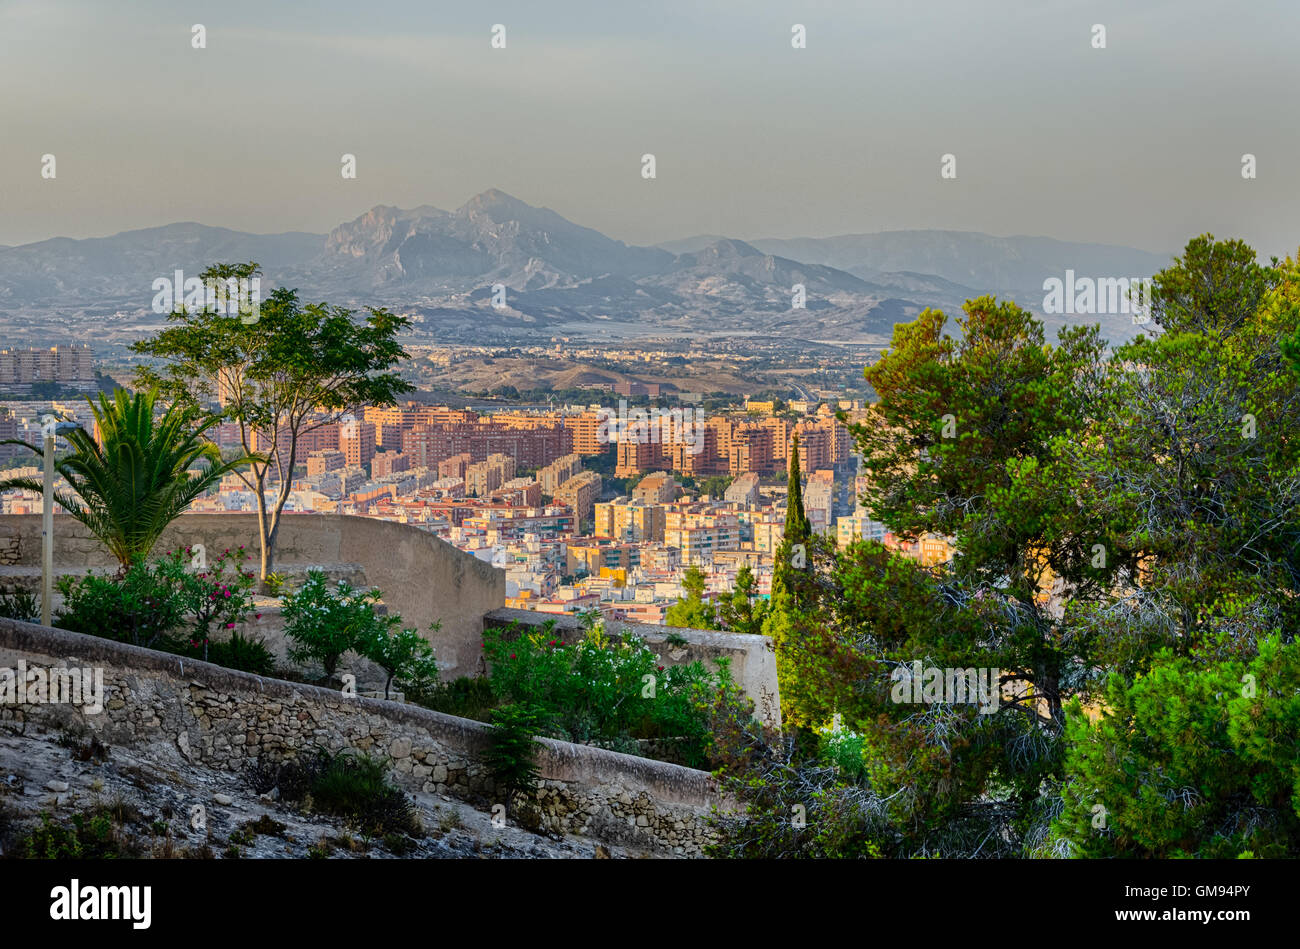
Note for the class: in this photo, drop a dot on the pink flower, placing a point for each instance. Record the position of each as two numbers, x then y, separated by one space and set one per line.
512 655
258 616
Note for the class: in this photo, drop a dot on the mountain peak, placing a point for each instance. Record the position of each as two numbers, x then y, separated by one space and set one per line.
727 248
494 199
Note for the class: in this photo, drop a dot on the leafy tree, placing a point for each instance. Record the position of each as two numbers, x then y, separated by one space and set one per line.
715 486
1125 545
403 653
692 611
741 611
295 368
961 447
324 624
1194 462
139 476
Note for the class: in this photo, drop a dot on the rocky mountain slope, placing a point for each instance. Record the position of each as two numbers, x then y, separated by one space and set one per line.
442 265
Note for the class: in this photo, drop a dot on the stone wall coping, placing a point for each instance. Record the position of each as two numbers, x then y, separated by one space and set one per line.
707 637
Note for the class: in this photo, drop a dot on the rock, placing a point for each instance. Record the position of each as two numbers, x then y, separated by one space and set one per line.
400 748
225 800
56 786
601 853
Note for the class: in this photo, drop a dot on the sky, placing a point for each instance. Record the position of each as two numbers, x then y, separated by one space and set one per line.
1139 143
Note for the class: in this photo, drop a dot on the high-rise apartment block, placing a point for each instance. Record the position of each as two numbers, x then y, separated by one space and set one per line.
580 493
558 472
70 366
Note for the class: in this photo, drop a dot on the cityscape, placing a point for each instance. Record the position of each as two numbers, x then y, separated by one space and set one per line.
585 433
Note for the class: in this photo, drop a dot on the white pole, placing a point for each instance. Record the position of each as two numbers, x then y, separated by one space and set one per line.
47 533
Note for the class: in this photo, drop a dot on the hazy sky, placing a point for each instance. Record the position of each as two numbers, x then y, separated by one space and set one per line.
1139 143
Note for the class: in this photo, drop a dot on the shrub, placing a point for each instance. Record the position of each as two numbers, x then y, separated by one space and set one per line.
244 654
605 691
218 596
91 834
844 750
141 605
20 605
466 697
356 787
323 625
793 805
403 653
353 786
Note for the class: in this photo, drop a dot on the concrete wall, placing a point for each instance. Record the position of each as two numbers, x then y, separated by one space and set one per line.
187 713
423 578
752 658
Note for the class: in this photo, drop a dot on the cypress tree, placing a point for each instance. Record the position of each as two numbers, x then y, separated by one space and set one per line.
797 527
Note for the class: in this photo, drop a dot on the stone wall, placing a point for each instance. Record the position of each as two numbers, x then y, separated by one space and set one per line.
187 713
423 578
752 658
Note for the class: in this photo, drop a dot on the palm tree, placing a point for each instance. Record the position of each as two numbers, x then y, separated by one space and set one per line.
136 479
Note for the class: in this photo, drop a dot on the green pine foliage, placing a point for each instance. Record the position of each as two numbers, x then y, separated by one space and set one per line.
1125 529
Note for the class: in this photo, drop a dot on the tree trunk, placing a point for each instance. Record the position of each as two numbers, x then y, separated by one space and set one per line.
268 551
262 537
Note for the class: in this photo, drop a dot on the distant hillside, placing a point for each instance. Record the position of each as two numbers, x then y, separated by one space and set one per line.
441 266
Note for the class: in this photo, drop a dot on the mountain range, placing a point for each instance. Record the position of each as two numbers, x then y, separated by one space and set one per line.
441 266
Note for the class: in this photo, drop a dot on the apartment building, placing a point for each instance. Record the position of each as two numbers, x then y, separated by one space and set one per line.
524 492
389 462
455 466
638 520
72 366
319 462
357 440
580 493
530 447
656 488
819 500
558 472
743 491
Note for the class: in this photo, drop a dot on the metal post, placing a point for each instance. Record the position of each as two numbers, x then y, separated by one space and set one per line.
47 533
